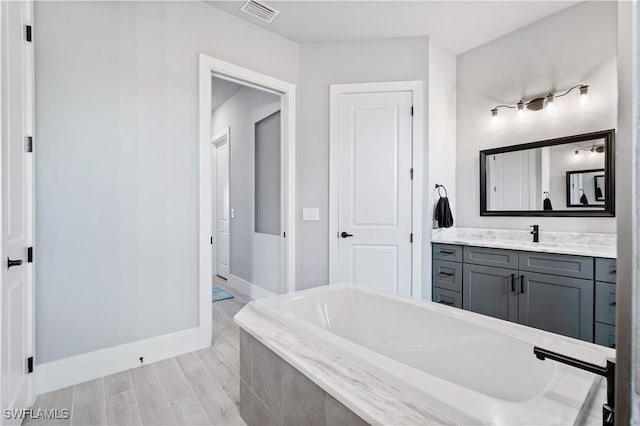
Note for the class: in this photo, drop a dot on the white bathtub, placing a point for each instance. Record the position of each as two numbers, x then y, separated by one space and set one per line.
465 367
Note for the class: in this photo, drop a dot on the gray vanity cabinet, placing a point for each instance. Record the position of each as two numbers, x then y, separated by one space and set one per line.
490 291
565 294
558 304
605 326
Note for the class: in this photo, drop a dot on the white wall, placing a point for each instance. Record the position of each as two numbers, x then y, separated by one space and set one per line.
323 64
117 165
440 147
441 125
240 113
577 45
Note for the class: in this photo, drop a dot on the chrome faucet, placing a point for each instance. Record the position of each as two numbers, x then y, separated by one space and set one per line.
535 232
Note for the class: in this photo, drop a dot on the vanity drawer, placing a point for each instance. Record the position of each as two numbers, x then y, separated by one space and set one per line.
447 275
491 257
606 303
557 264
606 270
605 335
447 297
447 252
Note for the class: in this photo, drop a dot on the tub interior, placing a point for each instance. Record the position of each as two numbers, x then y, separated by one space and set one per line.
452 349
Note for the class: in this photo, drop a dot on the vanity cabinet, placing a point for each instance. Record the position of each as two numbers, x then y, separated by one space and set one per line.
490 291
605 302
558 304
552 292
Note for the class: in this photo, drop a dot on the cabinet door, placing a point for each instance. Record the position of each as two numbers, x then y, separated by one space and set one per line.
447 297
490 291
605 335
447 275
557 304
606 303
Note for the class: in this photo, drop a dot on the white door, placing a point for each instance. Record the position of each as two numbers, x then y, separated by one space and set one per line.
374 185
17 208
222 206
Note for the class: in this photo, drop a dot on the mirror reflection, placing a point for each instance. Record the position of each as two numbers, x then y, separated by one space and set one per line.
585 188
561 175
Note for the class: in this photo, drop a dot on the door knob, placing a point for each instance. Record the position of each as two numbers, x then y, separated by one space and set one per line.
345 235
11 262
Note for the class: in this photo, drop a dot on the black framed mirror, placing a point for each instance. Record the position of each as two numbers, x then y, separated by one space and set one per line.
568 176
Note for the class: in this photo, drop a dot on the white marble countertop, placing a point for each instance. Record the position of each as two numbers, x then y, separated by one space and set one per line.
581 244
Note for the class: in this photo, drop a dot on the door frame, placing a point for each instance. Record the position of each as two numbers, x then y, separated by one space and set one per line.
28 130
416 89
224 134
210 67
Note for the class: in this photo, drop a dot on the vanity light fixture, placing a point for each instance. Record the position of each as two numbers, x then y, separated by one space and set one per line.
594 149
547 101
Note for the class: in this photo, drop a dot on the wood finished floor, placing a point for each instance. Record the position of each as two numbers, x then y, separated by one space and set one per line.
198 388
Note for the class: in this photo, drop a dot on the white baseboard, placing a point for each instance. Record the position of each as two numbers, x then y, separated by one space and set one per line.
246 288
76 369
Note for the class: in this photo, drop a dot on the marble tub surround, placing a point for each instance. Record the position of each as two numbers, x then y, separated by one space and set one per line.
574 243
380 389
370 398
272 392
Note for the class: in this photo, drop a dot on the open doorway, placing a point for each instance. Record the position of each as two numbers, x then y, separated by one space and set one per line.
247 186
247 180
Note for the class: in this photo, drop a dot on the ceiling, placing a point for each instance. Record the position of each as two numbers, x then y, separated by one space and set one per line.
456 25
222 91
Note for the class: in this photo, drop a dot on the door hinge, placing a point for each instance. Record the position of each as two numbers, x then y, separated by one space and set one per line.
29 254
411 237
28 33
411 173
412 111
28 142
30 365
211 239
284 235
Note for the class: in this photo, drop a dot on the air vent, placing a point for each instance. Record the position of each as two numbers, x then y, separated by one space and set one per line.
260 10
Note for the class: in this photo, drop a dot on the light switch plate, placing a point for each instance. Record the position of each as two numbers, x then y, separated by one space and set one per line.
310 213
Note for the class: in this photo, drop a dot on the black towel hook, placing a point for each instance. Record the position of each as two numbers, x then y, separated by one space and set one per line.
438 186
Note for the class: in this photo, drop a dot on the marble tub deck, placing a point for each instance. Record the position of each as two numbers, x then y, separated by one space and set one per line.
370 397
579 244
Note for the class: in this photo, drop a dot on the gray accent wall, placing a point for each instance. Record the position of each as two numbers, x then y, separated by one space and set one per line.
267 175
117 163
240 113
323 64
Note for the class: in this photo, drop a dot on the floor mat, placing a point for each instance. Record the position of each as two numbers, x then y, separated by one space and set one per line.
220 294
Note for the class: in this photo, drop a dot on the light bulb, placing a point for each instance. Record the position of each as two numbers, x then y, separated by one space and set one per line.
520 106
585 99
550 102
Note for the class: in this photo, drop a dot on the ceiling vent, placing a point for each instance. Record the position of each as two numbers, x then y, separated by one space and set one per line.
260 10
